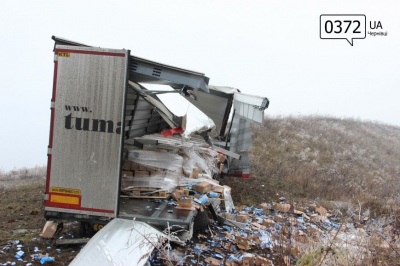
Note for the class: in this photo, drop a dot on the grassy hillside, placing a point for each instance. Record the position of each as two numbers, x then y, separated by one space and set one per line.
326 158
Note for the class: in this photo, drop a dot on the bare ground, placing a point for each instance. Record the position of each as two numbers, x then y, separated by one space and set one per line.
22 220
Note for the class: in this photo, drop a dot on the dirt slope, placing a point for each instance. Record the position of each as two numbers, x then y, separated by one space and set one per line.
324 158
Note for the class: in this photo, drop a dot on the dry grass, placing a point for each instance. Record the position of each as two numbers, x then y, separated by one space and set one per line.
24 177
329 159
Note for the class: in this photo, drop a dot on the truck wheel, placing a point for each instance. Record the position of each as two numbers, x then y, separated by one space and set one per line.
86 229
200 221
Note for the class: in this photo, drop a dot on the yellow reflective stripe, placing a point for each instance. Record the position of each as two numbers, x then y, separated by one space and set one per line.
64 199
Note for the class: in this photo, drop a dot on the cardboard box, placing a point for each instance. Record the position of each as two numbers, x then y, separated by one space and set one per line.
231 263
279 218
186 192
312 207
264 206
227 216
185 202
157 173
315 232
242 243
49 229
195 173
126 165
242 218
269 223
318 218
292 220
248 260
141 173
127 173
203 187
301 239
358 225
282 207
135 166
213 262
221 158
218 189
321 210
258 226
260 261
177 194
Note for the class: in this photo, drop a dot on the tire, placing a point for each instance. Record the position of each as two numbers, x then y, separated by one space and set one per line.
200 221
86 229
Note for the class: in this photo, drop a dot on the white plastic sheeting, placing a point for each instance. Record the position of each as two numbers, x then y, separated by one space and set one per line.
196 120
120 242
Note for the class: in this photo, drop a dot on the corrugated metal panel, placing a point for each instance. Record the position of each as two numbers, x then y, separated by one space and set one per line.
145 118
146 101
143 70
86 144
240 142
250 107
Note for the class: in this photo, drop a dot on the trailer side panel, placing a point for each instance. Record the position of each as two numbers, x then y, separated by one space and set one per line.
86 130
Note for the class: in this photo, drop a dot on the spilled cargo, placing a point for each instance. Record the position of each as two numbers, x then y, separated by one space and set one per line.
120 148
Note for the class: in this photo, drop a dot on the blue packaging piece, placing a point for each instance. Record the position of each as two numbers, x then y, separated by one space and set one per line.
233 249
215 244
247 209
202 200
227 228
43 260
258 211
336 226
19 254
198 249
217 255
213 195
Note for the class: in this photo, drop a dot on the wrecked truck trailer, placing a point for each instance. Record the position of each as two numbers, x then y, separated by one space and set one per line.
116 150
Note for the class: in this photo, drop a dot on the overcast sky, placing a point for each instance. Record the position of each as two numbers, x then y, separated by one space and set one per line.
266 48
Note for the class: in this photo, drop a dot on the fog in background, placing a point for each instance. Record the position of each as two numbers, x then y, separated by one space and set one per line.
266 48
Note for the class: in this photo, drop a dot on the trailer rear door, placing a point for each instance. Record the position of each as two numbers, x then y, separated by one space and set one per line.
85 145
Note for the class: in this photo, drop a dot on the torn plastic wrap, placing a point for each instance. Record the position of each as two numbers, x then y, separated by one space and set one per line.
158 160
164 169
187 182
200 158
196 121
229 207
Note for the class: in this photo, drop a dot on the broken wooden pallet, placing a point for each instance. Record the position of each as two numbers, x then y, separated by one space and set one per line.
146 193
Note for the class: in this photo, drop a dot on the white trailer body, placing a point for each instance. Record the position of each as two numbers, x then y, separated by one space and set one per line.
99 103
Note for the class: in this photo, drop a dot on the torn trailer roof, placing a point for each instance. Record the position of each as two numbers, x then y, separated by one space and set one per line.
120 148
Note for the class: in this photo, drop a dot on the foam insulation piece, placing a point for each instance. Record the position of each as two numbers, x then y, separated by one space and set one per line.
120 242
